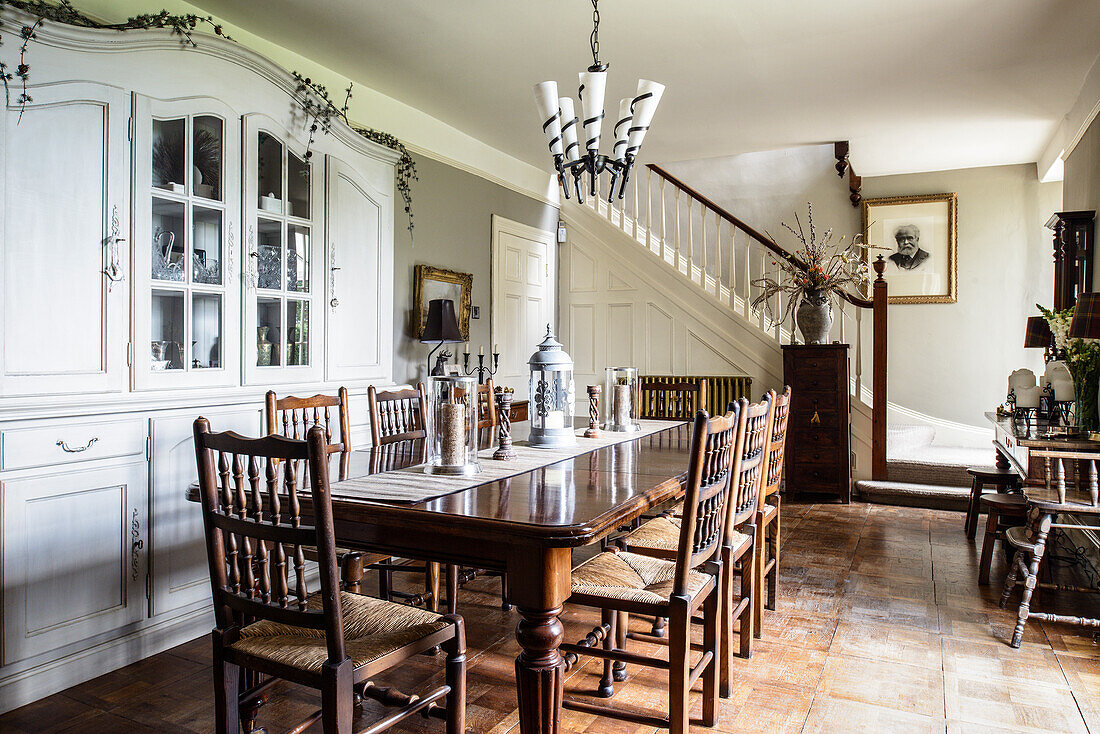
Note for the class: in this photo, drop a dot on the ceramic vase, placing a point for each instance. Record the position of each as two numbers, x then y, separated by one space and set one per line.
815 317
263 347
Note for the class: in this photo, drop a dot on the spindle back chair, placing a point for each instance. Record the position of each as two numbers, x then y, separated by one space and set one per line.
292 417
397 415
260 516
768 520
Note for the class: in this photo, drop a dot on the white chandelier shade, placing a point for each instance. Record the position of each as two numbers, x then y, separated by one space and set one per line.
575 143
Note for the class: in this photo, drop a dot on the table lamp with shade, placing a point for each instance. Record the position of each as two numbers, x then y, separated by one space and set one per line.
1086 325
441 327
1038 336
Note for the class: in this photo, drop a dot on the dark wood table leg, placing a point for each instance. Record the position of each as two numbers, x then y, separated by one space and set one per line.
538 585
1002 460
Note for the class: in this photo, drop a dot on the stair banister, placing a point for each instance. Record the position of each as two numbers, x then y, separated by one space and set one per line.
877 303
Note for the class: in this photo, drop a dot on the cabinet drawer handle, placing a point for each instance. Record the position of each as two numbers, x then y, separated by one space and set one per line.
70 450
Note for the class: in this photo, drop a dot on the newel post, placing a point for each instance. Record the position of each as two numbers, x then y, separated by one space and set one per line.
878 383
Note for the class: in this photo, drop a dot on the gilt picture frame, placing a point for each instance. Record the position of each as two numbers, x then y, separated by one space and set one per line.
918 236
431 283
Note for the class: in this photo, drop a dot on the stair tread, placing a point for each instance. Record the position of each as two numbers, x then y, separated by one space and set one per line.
933 496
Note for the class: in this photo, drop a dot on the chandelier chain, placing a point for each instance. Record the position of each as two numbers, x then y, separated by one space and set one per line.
595 38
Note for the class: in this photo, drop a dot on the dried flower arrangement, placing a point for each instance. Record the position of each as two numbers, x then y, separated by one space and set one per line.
817 270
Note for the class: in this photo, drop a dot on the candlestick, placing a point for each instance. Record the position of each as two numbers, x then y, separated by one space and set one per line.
593 411
504 451
483 371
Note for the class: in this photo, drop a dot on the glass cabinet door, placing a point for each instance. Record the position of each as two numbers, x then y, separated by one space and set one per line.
188 312
281 212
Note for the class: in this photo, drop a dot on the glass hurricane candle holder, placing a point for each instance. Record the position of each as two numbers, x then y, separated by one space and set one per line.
620 399
452 425
552 395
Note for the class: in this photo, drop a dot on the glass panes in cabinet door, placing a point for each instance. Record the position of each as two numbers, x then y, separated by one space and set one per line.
206 244
268 331
269 254
270 174
297 332
170 155
297 184
168 245
297 258
206 157
167 348
206 330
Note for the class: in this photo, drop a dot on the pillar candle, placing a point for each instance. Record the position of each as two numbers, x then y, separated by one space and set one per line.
554 419
620 406
452 444
1027 397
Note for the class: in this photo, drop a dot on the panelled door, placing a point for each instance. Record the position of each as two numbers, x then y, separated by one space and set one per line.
359 222
524 263
64 219
73 556
178 566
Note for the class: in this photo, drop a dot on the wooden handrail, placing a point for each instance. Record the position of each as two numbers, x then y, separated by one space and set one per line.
764 240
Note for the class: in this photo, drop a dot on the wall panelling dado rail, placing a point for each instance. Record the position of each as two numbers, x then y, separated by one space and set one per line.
166 249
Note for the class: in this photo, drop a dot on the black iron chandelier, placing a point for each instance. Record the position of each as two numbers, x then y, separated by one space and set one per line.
561 125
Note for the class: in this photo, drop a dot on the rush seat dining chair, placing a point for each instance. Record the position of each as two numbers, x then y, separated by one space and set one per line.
258 520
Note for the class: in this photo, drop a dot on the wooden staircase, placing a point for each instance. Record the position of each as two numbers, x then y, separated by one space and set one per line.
720 256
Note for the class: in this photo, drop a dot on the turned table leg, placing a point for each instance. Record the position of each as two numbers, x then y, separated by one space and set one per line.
538 585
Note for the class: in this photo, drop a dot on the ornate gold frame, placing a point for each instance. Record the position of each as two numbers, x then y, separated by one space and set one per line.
420 309
952 202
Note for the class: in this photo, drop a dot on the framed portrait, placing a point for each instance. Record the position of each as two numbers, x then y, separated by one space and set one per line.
432 283
917 234
452 370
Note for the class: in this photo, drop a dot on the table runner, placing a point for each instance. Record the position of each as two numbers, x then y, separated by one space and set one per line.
412 484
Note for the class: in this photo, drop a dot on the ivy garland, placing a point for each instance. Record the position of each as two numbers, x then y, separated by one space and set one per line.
319 105
313 98
64 12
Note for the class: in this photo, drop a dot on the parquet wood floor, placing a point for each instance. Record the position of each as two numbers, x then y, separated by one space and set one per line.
881 627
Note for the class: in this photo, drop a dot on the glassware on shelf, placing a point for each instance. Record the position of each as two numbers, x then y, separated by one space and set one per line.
552 395
206 157
206 327
168 252
206 238
167 330
297 258
452 425
620 399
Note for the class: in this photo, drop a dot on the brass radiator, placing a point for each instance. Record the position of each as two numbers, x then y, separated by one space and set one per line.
720 389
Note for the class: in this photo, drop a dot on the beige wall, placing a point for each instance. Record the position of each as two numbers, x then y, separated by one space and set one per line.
453 215
1081 186
952 361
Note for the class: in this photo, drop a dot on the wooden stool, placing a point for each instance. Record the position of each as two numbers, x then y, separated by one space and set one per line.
1003 479
1004 511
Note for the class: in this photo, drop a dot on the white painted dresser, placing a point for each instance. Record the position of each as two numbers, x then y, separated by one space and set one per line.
159 213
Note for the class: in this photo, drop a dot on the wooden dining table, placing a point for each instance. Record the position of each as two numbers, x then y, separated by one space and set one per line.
525 526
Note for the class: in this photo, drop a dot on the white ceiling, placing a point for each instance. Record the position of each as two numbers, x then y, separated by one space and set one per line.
914 84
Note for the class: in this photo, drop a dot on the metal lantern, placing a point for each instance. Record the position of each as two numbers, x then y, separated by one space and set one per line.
620 399
552 395
452 425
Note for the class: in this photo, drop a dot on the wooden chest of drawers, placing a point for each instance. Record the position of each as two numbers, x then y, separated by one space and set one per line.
818 445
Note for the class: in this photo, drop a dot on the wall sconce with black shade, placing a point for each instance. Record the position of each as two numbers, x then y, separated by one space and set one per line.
441 327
